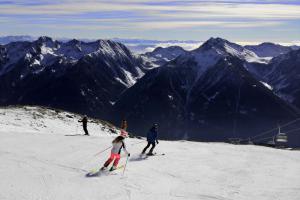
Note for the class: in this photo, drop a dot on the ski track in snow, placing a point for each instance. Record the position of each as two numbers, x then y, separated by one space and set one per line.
40 161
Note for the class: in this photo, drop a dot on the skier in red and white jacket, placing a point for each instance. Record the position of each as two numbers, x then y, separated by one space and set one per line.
117 145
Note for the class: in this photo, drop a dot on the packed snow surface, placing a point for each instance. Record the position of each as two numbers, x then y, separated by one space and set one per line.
44 156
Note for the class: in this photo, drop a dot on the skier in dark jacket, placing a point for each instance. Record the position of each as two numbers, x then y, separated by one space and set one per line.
151 139
84 124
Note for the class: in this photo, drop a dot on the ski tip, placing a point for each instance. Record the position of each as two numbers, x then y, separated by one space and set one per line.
89 175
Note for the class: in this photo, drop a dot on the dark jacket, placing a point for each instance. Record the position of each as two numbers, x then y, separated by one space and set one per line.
84 121
152 135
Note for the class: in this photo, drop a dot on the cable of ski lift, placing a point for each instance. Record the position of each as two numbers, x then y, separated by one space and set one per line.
262 139
284 125
293 130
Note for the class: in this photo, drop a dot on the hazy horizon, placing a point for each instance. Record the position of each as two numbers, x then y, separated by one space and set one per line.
142 45
249 21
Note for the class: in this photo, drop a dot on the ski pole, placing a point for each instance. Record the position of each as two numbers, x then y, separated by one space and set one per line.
125 165
137 143
76 128
100 152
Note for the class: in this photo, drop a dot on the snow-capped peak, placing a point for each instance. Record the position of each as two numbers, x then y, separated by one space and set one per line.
45 39
45 51
213 43
160 55
224 48
268 49
73 42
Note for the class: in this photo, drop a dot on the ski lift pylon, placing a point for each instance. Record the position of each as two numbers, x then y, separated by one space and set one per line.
281 139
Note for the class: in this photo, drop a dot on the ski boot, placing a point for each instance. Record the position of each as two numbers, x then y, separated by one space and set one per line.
112 168
150 154
103 168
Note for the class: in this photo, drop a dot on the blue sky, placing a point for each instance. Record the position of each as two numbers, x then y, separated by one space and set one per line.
241 21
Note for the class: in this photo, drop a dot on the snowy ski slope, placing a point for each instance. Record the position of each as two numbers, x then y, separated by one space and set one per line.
42 156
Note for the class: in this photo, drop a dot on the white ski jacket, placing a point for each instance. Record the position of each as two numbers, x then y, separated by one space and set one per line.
117 147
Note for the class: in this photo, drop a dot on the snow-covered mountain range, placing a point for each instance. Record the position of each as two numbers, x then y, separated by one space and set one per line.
268 49
214 92
141 46
160 56
77 76
18 38
45 156
205 94
284 76
137 46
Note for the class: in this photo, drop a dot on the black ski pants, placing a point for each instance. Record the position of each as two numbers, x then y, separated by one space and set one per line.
148 145
85 130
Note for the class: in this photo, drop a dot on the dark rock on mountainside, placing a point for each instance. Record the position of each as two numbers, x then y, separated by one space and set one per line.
268 49
205 95
75 76
218 91
160 56
285 76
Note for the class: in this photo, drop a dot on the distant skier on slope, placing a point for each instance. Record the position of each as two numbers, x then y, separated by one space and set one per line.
84 124
151 139
118 145
123 128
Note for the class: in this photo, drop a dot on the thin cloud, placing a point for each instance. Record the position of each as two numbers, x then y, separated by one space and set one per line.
189 24
145 15
250 10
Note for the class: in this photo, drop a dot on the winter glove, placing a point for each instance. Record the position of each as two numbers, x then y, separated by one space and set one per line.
128 154
157 142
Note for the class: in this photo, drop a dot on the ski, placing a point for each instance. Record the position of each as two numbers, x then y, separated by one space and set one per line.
155 154
145 156
100 172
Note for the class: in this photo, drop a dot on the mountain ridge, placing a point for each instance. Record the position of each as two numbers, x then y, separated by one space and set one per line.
216 89
48 72
196 101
